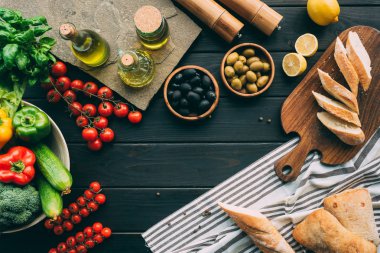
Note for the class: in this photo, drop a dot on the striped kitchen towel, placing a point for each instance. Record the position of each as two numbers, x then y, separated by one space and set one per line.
201 226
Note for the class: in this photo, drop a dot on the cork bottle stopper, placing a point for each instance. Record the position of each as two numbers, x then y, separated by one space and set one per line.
148 19
127 60
67 30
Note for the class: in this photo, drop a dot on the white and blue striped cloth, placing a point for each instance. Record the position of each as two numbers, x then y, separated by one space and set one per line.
202 227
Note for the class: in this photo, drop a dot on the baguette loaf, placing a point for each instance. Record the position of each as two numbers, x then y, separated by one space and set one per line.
359 58
337 109
353 209
346 132
338 91
321 232
346 67
259 229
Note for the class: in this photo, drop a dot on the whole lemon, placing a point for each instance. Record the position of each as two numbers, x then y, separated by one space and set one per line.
323 12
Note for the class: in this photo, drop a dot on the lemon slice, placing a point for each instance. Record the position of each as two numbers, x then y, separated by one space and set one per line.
307 45
294 64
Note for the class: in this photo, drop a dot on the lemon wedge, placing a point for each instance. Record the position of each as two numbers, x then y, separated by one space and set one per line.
294 64
307 45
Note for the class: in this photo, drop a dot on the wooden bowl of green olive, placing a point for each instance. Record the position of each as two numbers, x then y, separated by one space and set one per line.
247 70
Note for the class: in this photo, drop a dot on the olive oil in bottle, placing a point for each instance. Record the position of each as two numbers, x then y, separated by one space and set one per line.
136 68
88 46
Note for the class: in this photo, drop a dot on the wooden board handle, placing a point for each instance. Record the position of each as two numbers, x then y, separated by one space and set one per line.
292 161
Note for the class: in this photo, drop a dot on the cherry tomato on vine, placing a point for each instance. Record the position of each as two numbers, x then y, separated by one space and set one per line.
76 219
95 145
105 92
48 85
135 117
90 110
81 201
62 247
105 109
75 108
106 232
98 238
89 243
88 232
68 225
53 96
71 242
58 220
72 251
92 206
89 134
79 237
97 227
58 230
77 85
107 135
81 121
100 198
70 96
73 208
53 250
95 187
49 224
84 212
89 195
81 249
58 69
91 88
121 110
65 213
63 83
100 122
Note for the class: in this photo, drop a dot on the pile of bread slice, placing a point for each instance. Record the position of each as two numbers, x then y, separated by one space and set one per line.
342 118
345 224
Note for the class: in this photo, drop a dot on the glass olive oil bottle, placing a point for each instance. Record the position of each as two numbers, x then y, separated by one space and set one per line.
135 68
88 46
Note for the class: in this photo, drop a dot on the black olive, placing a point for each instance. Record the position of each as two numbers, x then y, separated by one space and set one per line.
195 81
174 104
198 90
185 88
170 94
211 96
178 78
174 86
204 105
184 111
183 102
188 73
206 82
176 95
193 98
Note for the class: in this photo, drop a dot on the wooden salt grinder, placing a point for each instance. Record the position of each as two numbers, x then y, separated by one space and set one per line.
257 13
215 17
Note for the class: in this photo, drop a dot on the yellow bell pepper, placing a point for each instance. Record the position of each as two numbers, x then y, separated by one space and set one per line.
6 130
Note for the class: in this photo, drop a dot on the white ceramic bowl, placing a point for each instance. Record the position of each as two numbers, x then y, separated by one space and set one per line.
58 145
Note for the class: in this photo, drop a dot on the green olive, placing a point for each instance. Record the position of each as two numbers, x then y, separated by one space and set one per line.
258 74
252 59
256 66
232 58
243 79
251 88
251 77
229 71
266 67
238 67
249 52
262 81
242 59
236 84
245 69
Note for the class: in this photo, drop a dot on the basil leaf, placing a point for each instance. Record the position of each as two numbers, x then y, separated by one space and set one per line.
9 54
38 31
47 41
22 60
25 37
39 20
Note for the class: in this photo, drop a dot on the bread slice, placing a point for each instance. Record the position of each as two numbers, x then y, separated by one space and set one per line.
321 232
338 91
337 109
259 229
353 209
346 67
359 58
346 132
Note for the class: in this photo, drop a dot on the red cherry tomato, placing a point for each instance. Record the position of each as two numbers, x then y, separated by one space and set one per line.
84 212
81 121
89 134
106 232
53 250
92 206
73 208
75 108
68 225
89 195
88 232
71 242
63 83
79 237
90 88
76 219
62 247
49 224
77 85
97 227
100 122
72 251
89 243
95 145
81 201
65 213
81 249
58 69
95 187
89 110
135 117
105 92
121 110
107 135
49 84
70 96
105 109
98 238
100 198
58 220
53 96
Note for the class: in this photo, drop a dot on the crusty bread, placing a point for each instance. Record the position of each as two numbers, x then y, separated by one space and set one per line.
321 232
346 132
259 229
353 209
346 67
359 58
338 91
337 109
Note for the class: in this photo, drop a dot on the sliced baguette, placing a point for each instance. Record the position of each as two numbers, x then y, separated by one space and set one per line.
337 109
346 132
338 91
346 67
359 58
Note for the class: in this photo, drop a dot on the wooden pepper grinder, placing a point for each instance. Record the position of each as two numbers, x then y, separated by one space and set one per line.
215 17
257 13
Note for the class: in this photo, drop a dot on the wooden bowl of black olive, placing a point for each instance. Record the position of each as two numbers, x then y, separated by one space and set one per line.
191 93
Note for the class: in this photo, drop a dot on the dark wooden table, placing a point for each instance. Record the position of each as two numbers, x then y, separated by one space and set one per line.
155 168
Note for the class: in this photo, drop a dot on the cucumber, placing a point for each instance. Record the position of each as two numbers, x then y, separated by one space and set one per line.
51 199
53 169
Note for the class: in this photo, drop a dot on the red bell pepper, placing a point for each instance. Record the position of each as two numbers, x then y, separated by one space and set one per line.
17 166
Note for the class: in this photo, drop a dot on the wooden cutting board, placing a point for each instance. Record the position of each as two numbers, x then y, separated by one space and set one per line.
299 111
